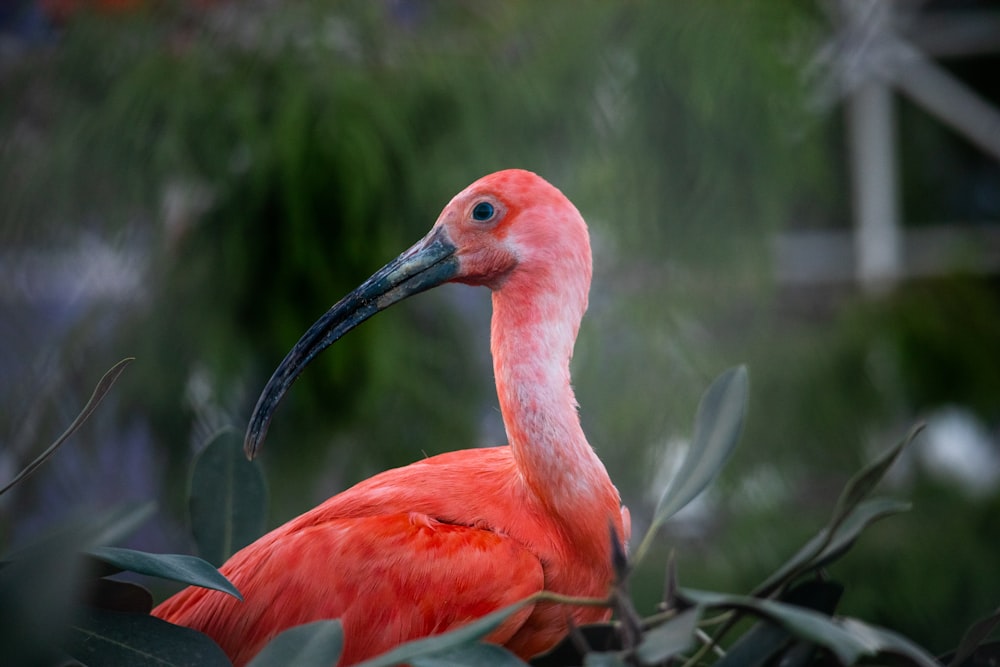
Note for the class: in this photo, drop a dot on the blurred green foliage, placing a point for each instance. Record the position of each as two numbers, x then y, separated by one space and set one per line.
61 602
265 161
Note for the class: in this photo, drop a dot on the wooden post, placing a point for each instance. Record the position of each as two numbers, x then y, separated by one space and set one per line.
871 130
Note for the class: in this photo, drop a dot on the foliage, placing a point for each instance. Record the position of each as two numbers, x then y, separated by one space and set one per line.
261 162
81 614
227 499
268 177
850 378
316 643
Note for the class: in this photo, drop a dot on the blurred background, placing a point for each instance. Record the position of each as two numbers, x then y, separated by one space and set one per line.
811 188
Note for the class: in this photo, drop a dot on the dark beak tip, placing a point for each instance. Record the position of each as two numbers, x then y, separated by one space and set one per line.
252 442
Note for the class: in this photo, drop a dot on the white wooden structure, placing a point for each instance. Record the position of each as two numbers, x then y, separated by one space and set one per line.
882 48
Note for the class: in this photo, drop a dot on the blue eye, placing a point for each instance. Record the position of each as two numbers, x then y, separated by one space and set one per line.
482 211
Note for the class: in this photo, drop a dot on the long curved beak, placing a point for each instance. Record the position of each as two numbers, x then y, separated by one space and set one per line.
428 263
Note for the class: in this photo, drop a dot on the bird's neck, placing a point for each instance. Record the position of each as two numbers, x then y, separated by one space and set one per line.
533 332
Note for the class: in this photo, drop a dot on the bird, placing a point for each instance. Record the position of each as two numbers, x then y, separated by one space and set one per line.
431 546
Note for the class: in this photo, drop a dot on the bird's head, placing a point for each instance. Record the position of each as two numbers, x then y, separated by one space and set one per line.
508 228
513 222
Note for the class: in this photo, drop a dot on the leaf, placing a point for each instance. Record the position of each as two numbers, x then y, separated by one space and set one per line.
100 637
850 517
91 532
85 532
848 639
803 623
852 526
973 637
447 641
717 429
669 639
890 642
801 654
864 481
37 590
762 642
176 567
118 523
102 388
228 499
596 636
816 594
826 546
41 582
316 644
603 660
756 647
115 595
470 654
983 655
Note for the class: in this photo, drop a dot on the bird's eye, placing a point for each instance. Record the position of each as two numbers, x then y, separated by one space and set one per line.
482 211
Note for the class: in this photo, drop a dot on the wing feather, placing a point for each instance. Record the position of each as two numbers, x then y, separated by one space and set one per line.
389 578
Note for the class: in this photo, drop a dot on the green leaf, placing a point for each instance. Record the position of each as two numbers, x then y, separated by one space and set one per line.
118 523
848 639
609 659
100 637
467 634
86 532
865 480
852 526
973 637
831 542
669 639
887 641
987 653
717 429
800 654
228 499
756 647
598 636
102 388
489 655
176 567
41 582
803 623
114 595
37 590
316 644
850 516
762 643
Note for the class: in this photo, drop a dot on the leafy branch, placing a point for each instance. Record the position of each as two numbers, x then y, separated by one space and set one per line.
58 597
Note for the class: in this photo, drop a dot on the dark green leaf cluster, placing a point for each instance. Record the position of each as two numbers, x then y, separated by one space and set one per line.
59 604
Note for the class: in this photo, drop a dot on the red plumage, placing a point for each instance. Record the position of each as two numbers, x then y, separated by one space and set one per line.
431 546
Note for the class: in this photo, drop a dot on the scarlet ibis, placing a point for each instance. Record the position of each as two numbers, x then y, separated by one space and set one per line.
428 547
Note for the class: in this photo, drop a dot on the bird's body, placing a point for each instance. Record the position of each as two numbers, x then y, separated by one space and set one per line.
431 546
